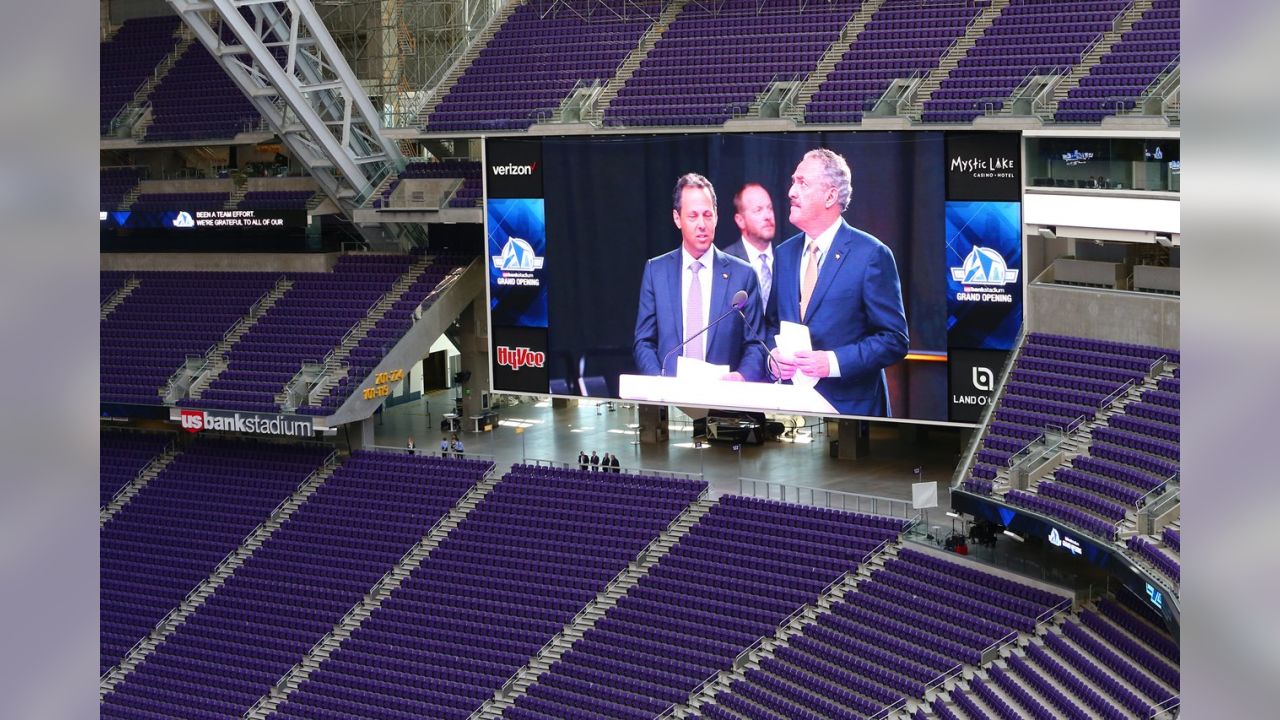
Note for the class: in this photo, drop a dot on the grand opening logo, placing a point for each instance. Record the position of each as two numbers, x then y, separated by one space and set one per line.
988 273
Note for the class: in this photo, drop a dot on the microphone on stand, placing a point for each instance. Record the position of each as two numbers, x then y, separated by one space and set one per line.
768 356
739 302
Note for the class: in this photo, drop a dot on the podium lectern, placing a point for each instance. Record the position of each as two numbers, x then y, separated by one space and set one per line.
724 394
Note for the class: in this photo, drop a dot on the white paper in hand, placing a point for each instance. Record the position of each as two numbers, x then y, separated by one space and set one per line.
791 339
698 370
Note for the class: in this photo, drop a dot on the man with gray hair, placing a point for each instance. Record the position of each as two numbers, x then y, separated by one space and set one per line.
685 291
843 284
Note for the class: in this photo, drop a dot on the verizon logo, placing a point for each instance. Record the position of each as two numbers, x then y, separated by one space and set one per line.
510 169
516 358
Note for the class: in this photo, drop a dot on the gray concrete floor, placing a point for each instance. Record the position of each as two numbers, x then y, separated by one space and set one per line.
559 434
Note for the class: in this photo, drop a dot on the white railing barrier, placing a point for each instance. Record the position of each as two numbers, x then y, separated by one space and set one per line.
855 502
432 452
1166 709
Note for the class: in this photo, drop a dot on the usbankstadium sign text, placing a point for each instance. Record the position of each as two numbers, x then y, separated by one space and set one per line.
246 422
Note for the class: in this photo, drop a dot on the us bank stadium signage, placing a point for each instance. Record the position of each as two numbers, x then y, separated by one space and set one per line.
245 422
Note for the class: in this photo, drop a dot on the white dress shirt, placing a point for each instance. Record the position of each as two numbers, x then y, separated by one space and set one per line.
753 257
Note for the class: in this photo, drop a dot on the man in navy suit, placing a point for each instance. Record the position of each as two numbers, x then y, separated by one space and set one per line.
843 284
687 289
753 214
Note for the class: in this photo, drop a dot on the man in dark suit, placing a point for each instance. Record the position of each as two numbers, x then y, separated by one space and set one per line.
754 216
843 284
684 291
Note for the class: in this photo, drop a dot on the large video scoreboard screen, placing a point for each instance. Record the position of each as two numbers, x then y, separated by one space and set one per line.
868 274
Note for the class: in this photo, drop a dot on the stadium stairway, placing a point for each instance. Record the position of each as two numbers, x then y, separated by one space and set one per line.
439 310
130 197
1071 81
194 599
1077 444
1160 553
632 62
514 688
133 113
767 648
381 590
126 493
118 297
216 361
1114 672
958 51
464 61
848 36
238 189
335 364
775 664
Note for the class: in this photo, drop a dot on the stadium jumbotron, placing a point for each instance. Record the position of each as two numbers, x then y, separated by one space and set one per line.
640 359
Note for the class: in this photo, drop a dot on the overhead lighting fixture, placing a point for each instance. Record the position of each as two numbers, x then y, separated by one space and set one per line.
1047 233
1014 535
1164 241
953 513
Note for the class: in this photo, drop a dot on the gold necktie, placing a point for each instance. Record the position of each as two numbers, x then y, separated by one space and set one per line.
810 278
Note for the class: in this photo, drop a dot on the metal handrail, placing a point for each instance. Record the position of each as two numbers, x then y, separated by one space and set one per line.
1116 396
639 558
966 464
1115 27
1157 365
150 464
428 452
1167 707
787 101
221 563
829 495
742 657
1024 449
481 21
441 287
1063 606
1172 72
373 590
367 190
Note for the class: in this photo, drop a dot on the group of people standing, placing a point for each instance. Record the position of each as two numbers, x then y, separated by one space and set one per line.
447 446
839 282
595 463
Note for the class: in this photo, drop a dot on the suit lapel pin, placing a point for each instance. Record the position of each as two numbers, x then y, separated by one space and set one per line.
724 275
837 256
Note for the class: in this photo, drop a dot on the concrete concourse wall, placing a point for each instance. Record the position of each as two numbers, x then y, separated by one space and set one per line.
1120 316
220 262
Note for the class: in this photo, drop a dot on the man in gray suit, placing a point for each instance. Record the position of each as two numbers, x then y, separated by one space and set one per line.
753 214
